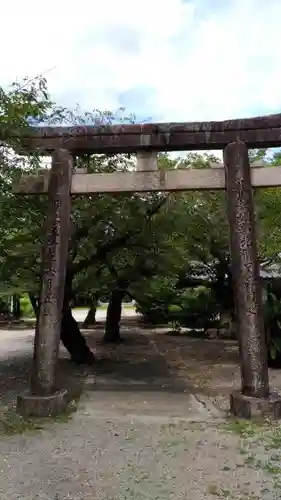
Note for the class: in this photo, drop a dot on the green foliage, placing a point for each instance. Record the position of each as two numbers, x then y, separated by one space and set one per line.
272 317
27 310
4 304
97 223
22 104
163 303
21 218
155 299
144 244
198 308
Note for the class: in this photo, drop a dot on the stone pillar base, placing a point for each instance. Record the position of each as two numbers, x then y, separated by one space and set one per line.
249 407
29 405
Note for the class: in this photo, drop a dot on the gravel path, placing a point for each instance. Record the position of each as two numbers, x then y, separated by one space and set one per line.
124 446
162 443
15 342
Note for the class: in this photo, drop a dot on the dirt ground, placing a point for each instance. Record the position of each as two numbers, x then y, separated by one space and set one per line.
208 369
152 423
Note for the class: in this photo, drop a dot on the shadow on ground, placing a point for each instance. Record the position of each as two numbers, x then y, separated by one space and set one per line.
14 377
147 361
135 364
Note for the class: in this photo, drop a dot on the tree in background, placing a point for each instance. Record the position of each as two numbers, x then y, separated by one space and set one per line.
156 248
99 227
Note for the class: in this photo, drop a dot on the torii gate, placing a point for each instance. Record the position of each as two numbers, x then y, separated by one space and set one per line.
234 137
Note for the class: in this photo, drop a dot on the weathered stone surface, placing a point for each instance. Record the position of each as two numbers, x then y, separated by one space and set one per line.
243 406
29 405
245 271
257 132
257 122
47 336
147 181
146 161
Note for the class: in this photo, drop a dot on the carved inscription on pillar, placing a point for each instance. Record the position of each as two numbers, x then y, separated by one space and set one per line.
245 271
54 259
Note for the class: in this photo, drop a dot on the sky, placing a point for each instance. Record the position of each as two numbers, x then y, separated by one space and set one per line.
163 60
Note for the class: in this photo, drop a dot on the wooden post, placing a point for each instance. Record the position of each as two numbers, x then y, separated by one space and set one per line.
245 271
47 336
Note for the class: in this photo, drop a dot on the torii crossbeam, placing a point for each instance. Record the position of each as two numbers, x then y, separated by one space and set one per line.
258 132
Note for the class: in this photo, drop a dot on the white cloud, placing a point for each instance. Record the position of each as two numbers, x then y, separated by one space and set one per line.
197 61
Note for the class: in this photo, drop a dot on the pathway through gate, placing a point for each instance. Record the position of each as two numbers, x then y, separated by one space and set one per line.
62 182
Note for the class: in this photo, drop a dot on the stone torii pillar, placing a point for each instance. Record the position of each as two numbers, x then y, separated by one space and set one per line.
146 161
255 398
44 397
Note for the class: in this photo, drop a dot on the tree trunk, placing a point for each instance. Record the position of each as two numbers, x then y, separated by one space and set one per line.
273 328
73 339
35 304
70 335
223 290
16 307
113 317
91 316
3 307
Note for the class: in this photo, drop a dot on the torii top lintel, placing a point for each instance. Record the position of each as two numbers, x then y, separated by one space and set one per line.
257 132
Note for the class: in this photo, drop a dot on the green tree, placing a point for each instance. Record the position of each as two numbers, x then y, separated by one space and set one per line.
119 245
199 241
100 226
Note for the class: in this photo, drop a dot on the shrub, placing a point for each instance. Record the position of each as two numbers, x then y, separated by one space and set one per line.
162 303
198 308
155 298
26 307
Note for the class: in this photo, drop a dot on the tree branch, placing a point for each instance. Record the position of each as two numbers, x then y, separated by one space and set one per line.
112 245
78 234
